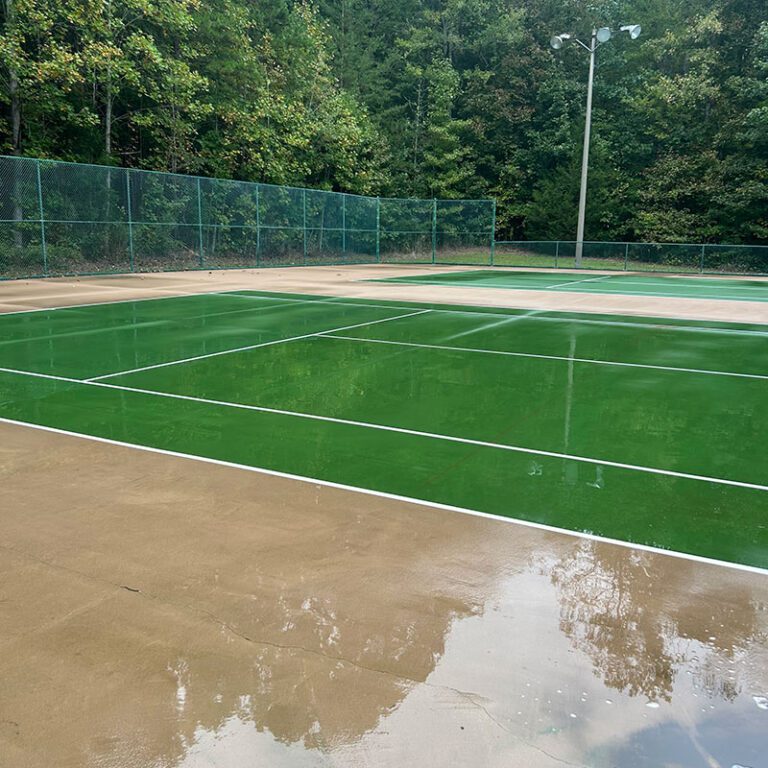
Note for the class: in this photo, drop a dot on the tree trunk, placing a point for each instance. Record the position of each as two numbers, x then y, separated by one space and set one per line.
108 115
15 99
108 91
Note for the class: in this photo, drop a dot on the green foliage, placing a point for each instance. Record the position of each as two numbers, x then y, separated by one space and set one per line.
445 98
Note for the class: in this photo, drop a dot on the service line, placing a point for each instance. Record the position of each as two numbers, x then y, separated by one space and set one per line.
534 356
251 346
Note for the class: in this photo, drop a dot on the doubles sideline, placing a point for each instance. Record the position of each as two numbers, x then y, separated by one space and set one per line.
400 430
530 286
406 499
706 283
331 300
532 314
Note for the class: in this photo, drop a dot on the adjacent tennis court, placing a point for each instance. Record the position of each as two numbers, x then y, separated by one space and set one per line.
639 430
626 284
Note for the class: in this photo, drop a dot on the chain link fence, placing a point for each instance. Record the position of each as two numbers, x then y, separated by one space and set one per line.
693 258
61 218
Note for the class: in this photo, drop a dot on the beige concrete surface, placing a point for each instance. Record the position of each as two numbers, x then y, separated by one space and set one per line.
164 612
354 281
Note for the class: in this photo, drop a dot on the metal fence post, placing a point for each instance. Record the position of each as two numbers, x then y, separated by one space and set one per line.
258 226
344 224
378 229
130 218
557 252
304 214
626 255
493 232
434 229
701 264
42 219
200 223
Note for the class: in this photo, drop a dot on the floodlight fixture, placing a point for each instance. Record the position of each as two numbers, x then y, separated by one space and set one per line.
603 34
633 29
598 37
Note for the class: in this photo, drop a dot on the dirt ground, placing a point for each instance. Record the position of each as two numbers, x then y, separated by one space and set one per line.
163 612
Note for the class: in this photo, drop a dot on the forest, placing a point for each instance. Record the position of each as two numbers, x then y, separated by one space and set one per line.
424 98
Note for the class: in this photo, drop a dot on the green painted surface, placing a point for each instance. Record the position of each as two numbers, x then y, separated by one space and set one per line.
694 422
630 284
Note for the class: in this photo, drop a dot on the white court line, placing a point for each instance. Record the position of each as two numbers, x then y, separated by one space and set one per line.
249 347
506 320
400 430
396 497
574 282
102 303
678 283
532 315
168 321
530 286
324 300
546 357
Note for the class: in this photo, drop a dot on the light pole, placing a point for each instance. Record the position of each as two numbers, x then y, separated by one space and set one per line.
599 36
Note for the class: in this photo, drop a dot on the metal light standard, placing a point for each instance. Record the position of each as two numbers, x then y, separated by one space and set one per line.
599 36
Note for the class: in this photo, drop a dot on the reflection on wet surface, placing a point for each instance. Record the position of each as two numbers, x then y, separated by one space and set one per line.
206 616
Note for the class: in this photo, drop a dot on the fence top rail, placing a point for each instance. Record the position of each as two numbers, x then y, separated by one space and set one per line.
626 242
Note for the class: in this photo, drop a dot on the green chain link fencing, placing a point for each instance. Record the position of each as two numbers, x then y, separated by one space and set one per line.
693 258
60 218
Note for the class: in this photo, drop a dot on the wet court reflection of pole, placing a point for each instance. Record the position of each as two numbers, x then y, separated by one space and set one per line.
570 469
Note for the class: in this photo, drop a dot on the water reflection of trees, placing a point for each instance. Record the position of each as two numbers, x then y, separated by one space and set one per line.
314 628
641 618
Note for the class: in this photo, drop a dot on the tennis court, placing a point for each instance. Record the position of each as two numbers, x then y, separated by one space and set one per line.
305 518
488 410
625 284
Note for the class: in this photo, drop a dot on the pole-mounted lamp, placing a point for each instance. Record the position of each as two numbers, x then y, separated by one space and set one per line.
599 36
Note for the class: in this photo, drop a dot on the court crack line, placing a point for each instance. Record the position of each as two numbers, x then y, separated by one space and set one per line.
471 698
202 613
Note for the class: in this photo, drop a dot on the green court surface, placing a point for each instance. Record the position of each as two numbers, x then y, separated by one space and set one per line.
643 430
629 284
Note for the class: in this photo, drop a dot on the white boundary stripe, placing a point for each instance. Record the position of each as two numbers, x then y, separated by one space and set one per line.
630 280
470 310
274 297
586 280
249 347
678 282
545 357
407 499
403 431
145 324
530 286
668 323
104 303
